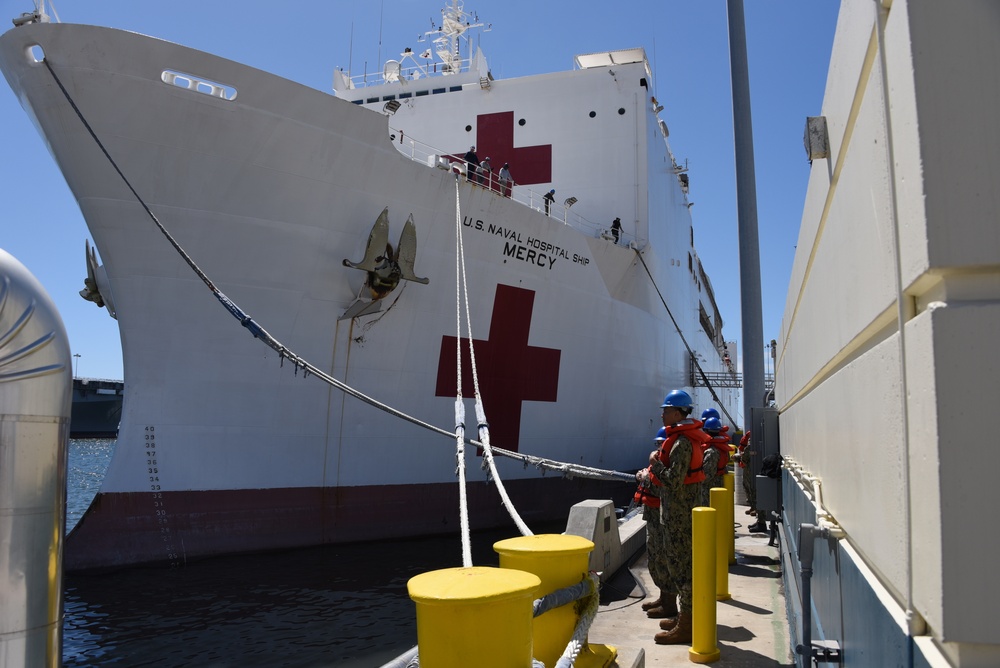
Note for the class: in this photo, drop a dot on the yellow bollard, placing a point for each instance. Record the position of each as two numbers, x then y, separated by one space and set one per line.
559 560
474 616
704 634
719 496
729 482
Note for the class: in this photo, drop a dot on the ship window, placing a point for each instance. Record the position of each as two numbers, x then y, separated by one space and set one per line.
621 111
438 90
521 122
642 82
468 128
454 89
593 114
372 99
358 101
422 93
690 264
403 96
386 98
193 83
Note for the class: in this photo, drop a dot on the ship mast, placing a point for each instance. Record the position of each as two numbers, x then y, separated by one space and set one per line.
455 22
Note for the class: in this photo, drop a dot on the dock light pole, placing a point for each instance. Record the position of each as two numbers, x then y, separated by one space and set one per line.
746 203
76 365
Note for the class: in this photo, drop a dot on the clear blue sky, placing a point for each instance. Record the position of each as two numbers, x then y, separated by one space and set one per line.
686 41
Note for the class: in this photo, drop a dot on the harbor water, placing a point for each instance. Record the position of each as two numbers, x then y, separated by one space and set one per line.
324 606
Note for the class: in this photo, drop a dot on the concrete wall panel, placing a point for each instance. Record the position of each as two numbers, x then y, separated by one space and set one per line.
964 345
924 468
957 85
908 164
856 449
850 43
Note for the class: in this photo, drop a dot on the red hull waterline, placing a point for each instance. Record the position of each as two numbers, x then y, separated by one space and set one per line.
172 528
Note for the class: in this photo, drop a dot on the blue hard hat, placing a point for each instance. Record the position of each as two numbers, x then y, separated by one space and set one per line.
678 399
713 424
661 435
710 413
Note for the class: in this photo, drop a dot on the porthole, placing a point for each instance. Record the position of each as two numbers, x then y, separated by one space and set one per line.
621 111
593 114
521 122
468 128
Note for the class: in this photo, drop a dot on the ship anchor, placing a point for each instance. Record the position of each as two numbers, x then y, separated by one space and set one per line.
385 266
96 284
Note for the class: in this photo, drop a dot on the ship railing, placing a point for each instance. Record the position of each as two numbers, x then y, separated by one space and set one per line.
391 74
434 157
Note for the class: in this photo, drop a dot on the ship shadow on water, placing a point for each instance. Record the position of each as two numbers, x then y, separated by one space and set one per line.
333 605
343 605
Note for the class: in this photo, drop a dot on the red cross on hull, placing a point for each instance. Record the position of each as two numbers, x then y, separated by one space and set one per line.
510 371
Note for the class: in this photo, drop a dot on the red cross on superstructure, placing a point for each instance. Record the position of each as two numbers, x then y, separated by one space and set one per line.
495 140
510 371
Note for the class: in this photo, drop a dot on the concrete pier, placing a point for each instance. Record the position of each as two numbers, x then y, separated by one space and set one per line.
752 625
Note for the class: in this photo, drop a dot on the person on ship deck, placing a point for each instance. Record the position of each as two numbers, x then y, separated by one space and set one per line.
549 198
505 180
472 165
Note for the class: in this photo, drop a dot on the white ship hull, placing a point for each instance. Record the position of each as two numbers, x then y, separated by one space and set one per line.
221 450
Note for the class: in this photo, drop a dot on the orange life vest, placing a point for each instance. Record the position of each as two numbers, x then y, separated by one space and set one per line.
692 430
744 442
721 443
646 495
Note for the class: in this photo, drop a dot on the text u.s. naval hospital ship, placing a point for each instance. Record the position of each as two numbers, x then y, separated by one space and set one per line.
333 220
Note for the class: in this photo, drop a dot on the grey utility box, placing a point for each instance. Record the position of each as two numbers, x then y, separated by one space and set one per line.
766 441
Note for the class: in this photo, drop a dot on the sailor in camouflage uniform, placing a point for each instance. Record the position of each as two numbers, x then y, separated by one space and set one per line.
716 456
656 538
678 468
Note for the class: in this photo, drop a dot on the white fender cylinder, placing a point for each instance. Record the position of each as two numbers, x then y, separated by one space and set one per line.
36 386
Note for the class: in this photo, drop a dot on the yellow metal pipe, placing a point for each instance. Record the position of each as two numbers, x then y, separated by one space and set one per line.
729 482
704 634
719 497
474 616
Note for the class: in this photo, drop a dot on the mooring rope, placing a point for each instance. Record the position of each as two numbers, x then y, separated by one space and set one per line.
694 359
463 503
258 332
484 428
579 640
